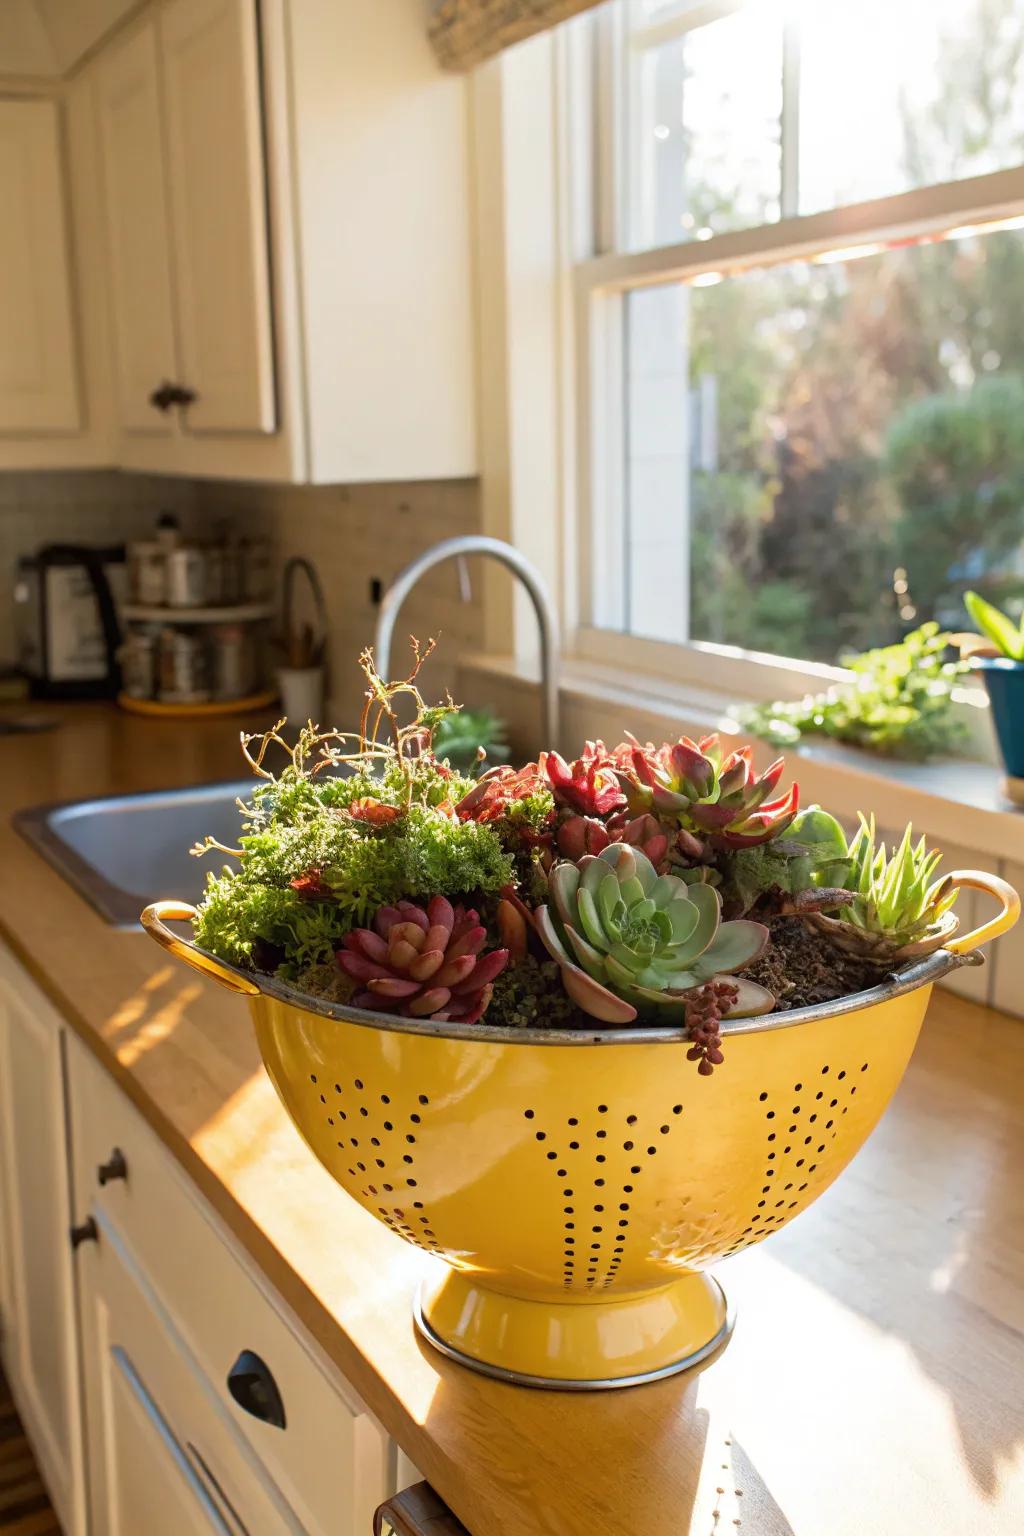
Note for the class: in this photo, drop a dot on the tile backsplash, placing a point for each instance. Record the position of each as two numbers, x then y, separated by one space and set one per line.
354 535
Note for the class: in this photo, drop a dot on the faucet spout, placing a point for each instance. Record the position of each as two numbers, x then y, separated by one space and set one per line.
497 549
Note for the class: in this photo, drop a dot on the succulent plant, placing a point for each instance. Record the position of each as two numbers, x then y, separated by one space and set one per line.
899 911
709 796
587 786
497 789
423 963
465 738
705 1010
629 941
999 635
578 835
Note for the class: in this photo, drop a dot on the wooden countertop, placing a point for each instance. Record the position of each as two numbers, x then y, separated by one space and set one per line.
875 1382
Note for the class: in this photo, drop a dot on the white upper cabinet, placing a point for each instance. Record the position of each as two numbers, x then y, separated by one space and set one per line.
212 99
186 213
138 234
281 194
38 371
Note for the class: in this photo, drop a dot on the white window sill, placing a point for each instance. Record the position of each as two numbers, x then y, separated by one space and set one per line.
952 800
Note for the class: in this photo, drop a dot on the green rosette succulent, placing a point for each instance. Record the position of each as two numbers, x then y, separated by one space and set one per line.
631 942
896 910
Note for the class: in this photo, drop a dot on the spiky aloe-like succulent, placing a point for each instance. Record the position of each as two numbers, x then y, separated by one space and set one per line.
710 796
899 910
632 942
999 635
423 964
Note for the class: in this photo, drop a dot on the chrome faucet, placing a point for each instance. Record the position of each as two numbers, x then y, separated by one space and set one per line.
547 622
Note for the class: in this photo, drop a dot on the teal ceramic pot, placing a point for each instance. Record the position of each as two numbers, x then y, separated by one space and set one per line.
1005 683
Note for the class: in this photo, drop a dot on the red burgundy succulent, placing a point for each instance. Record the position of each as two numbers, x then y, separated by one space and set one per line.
423 963
578 835
311 886
587 786
705 794
644 832
497 789
705 1010
374 812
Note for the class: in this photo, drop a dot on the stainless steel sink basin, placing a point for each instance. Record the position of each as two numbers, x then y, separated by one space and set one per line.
122 851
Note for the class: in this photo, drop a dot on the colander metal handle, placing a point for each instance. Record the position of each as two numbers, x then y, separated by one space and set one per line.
155 919
1004 918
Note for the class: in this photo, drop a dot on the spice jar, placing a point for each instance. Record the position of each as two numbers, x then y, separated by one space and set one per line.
186 577
138 659
183 669
147 572
232 661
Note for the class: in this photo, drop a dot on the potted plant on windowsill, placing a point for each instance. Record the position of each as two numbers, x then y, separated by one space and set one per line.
997 652
578 1029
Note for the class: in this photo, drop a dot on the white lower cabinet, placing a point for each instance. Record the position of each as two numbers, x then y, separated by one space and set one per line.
38 1341
249 1361
165 1388
163 1455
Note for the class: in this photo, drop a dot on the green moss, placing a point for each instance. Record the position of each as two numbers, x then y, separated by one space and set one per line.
297 824
240 920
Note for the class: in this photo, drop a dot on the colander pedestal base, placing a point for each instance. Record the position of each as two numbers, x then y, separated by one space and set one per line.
575 1345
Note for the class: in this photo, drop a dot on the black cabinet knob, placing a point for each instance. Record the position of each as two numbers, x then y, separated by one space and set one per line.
253 1388
86 1232
169 394
115 1167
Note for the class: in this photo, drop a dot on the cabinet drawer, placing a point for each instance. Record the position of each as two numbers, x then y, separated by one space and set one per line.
330 1459
164 1457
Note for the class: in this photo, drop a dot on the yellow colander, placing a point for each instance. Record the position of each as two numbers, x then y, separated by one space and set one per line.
578 1184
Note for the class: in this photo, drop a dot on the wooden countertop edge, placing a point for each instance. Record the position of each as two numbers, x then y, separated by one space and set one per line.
318 1322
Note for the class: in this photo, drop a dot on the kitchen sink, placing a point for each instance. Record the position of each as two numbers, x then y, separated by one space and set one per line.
122 851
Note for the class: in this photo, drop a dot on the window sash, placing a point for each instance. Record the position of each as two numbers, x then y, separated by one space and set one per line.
981 203
598 157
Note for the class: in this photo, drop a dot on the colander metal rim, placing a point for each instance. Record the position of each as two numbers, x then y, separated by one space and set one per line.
918 974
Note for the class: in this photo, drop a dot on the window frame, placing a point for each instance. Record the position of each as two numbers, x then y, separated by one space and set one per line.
598 49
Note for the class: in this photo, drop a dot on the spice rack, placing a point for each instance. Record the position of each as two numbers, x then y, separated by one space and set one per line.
242 613
196 625
159 709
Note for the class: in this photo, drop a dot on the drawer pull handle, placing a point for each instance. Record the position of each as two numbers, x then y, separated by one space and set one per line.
253 1388
115 1167
86 1232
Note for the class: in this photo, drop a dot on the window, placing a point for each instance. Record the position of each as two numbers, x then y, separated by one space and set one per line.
802 335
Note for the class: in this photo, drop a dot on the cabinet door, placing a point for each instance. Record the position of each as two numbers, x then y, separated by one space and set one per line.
38 383
38 1327
138 239
211 90
163 1458
152 1486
